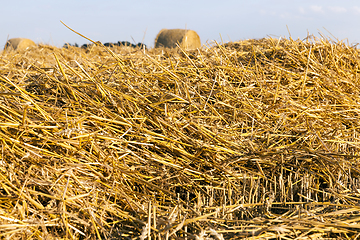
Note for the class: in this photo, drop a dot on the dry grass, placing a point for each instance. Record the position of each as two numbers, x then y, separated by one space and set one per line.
257 139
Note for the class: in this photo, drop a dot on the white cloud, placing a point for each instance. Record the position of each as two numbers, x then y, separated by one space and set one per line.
263 12
286 15
338 9
357 9
316 8
301 10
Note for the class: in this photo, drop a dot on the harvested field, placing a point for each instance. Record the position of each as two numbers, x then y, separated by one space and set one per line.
257 139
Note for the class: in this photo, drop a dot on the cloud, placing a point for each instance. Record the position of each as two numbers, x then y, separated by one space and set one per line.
357 9
338 9
286 15
316 8
301 10
263 12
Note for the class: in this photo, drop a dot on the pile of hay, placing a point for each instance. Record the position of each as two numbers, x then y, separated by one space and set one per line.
173 38
255 139
19 44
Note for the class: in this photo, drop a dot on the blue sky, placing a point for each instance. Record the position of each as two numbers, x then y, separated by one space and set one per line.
112 21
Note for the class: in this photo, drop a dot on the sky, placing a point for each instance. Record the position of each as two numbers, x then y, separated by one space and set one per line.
140 20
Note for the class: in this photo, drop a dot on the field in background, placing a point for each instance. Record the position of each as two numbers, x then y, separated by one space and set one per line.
256 139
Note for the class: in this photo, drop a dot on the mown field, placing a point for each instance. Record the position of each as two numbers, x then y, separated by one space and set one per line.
257 139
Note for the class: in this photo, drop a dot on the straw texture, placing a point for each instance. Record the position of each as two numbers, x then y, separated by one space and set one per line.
256 139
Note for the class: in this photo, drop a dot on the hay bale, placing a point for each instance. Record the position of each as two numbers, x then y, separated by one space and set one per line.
187 39
19 43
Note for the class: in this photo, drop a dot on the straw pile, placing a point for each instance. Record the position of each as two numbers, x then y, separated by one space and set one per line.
186 39
257 139
19 44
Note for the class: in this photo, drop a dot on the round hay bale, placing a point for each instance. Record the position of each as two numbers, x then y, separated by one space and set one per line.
187 39
19 43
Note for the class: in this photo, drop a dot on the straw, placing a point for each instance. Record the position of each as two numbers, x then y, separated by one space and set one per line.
249 139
